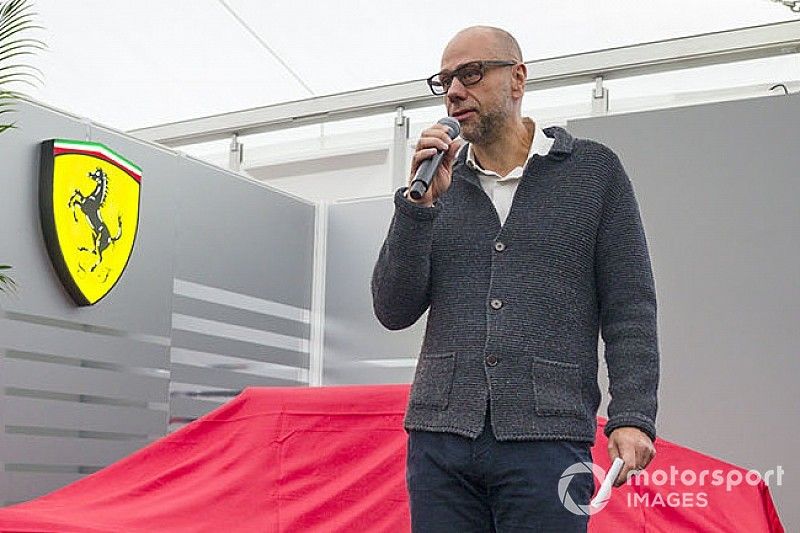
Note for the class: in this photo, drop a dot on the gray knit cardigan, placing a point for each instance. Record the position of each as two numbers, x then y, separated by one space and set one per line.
515 310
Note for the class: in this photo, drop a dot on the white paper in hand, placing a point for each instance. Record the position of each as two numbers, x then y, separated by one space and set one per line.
604 493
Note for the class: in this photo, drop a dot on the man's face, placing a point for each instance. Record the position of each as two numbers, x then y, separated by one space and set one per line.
482 109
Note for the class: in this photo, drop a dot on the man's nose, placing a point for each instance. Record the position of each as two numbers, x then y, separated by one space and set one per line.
456 91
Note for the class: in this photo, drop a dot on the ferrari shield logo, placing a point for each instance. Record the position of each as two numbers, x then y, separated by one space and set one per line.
89 203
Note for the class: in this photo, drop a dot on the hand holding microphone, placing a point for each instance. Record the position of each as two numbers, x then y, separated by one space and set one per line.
432 163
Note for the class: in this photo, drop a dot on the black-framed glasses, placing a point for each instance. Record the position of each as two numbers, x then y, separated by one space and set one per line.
468 74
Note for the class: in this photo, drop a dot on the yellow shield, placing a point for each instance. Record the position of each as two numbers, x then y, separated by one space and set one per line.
89 203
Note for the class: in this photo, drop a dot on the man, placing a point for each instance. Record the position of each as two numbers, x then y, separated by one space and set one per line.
505 393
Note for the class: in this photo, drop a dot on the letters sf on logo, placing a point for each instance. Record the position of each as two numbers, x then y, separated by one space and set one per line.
89 203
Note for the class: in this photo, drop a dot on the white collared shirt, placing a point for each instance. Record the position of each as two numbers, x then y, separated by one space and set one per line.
501 189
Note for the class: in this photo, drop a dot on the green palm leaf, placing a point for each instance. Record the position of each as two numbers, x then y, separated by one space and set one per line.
16 18
6 283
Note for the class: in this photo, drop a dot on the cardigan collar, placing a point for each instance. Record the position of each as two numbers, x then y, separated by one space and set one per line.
564 142
562 147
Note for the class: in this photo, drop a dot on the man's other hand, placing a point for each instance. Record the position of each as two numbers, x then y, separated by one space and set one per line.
635 448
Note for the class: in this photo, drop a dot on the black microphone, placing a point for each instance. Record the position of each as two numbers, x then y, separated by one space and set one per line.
427 169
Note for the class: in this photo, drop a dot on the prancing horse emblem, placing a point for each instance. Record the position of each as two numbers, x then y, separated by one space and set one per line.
90 206
89 203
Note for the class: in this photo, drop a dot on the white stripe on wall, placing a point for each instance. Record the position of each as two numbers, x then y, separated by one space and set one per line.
272 370
397 362
240 333
240 301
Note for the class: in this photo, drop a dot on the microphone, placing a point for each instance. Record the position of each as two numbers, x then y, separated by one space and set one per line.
427 169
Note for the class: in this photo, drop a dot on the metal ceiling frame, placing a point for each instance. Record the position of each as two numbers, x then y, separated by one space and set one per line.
714 48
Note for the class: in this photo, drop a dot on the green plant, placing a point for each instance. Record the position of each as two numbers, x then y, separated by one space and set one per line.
16 17
6 283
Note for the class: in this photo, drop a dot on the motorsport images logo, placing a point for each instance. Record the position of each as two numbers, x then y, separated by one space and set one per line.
665 488
89 211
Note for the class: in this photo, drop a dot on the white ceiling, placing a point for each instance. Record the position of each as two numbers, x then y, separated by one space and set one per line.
129 64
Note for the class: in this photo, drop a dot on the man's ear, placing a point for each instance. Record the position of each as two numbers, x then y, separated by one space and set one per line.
519 77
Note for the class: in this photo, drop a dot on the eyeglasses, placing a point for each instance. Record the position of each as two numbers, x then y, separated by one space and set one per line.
468 74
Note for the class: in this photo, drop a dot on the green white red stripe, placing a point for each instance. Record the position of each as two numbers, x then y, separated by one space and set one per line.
101 151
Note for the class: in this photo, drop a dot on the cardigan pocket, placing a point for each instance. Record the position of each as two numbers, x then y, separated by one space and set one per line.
556 388
433 380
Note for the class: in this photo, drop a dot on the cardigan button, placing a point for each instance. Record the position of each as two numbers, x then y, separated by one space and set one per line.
499 246
491 360
496 303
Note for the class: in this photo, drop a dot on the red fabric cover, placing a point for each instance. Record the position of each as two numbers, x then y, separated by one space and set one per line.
323 459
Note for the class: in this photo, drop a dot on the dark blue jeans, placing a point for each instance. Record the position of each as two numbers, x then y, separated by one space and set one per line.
462 485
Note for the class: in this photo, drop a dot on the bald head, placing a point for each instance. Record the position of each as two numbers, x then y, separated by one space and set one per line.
498 42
